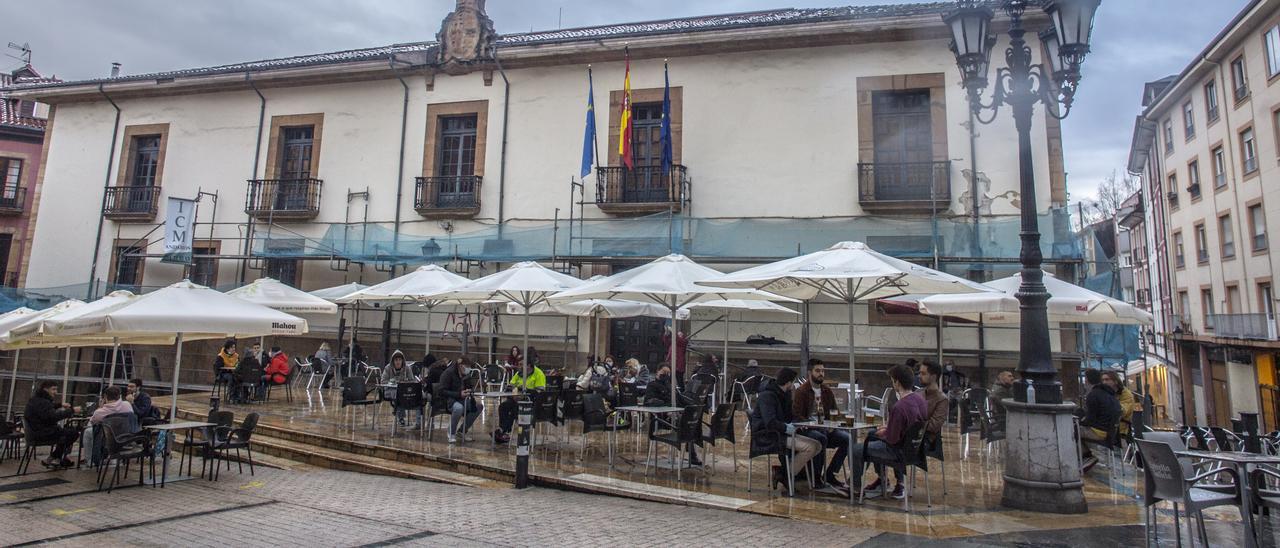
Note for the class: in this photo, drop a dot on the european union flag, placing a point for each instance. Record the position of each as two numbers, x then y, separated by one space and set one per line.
589 136
665 137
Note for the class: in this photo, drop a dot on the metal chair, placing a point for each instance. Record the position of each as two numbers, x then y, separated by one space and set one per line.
408 397
354 392
123 446
1168 479
785 458
721 427
744 390
595 418
686 430
882 404
237 439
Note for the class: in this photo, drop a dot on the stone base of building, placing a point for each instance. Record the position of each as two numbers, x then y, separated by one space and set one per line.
1042 460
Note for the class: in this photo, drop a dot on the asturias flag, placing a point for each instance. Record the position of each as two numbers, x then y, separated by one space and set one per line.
624 129
589 136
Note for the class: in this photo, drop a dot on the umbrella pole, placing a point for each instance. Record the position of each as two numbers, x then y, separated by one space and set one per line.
675 359
66 372
115 349
13 381
429 330
351 343
524 364
724 358
853 384
177 368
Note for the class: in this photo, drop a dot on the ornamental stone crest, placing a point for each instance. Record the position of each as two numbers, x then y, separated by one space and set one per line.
467 35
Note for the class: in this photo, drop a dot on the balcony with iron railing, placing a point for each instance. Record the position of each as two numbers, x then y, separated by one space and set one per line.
642 190
1244 326
283 199
904 186
136 204
447 197
13 199
1180 324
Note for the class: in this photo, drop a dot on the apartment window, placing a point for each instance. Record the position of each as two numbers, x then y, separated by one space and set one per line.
1184 305
1193 179
1173 191
1188 121
145 159
1226 237
127 265
204 264
1233 300
1239 84
1211 100
11 177
457 152
1271 42
1206 307
295 152
1266 303
1168 136
1248 151
1257 227
1202 244
284 268
1219 168
1179 251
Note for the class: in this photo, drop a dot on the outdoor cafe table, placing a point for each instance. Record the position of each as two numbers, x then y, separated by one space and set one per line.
164 429
645 409
1241 461
851 430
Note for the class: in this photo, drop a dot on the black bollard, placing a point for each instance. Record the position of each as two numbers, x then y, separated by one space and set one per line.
524 432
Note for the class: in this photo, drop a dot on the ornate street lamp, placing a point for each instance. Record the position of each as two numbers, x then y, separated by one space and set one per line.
1042 470
1021 85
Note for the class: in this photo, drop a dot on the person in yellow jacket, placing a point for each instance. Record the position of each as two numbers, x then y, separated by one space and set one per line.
535 380
1128 403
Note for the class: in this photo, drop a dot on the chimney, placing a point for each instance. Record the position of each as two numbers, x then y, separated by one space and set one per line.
115 70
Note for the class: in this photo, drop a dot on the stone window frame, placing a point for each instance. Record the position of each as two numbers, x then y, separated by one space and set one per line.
1196 228
1249 217
278 124
1194 178
431 144
1222 236
118 243
216 247
934 82
1174 239
646 96
1257 152
124 172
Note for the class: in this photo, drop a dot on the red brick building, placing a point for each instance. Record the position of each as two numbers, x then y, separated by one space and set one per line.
22 132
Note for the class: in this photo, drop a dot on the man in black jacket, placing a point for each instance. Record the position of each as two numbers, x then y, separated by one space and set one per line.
1101 413
453 385
42 416
771 423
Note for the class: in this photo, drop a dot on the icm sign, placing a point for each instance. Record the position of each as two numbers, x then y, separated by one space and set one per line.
178 234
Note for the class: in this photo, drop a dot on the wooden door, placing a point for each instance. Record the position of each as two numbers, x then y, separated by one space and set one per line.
903 145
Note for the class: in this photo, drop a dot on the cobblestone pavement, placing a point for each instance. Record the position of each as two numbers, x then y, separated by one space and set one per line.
320 508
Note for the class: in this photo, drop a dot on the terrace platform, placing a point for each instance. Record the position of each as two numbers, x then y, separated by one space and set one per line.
316 429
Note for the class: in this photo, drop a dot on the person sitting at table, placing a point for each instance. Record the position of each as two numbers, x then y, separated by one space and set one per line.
813 399
772 423
514 358
596 377
1099 416
1001 390
886 443
509 408
42 415
141 401
461 404
937 406
277 371
113 404
639 372
1128 403
227 361
248 370
658 394
323 359
397 373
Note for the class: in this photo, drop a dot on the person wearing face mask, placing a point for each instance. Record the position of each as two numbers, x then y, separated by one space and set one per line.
658 393
508 410
813 399
453 385
1001 390
397 373
771 424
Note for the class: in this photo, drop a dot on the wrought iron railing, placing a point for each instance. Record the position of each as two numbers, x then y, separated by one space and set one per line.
284 198
454 195
13 199
642 185
138 203
904 184
1244 326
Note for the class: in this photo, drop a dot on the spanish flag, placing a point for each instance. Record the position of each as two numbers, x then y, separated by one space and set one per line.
624 129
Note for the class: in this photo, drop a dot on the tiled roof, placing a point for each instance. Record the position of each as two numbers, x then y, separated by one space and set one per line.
786 16
9 117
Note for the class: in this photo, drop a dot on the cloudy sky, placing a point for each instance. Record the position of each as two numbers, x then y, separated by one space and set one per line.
1134 41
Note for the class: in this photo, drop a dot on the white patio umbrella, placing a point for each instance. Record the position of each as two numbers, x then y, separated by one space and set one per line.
414 287
7 320
332 294
527 284
671 282
849 272
6 337
728 306
191 312
595 309
273 294
1068 303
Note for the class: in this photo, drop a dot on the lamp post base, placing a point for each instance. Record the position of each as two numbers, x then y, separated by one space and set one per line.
1042 461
